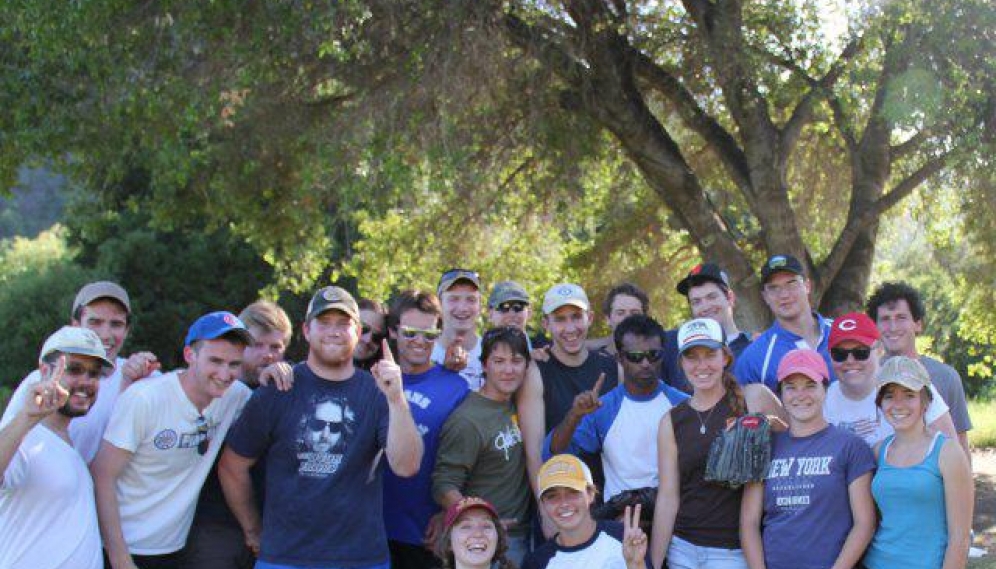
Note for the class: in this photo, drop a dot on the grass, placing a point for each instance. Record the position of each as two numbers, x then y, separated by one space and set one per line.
983 414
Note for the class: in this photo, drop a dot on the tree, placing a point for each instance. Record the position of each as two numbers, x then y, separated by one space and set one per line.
755 131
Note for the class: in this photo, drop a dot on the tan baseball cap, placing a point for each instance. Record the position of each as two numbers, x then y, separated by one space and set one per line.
101 289
75 340
565 294
904 371
566 471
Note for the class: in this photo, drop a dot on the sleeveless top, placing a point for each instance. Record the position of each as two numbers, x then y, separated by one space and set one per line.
709 513
913 532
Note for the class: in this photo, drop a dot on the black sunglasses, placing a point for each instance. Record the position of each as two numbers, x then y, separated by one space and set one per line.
652 356
515 307
839 355
202 434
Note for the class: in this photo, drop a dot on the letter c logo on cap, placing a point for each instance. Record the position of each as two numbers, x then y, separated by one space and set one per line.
848 324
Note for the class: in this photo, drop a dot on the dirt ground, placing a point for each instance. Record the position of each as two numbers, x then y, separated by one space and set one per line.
984 466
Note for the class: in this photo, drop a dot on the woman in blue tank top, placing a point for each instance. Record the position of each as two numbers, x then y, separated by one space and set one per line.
923 486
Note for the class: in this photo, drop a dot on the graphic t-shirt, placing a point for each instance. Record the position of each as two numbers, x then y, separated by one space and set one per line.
480 454
323 503
602 551
807 514
863 418
48 519
473 373
624 431
408 504
158 488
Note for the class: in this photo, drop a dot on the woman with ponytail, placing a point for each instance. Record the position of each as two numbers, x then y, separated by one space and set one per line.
695 521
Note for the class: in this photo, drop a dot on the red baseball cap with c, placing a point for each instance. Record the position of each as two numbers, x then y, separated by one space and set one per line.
854 326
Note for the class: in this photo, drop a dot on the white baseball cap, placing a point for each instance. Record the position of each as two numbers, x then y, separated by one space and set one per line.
75 340
701 332
565 294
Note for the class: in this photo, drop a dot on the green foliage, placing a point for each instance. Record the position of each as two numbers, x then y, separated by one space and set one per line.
38 282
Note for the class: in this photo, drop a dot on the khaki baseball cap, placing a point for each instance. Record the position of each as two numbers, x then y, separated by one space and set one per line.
904 371
566 471
565 294
101 289
75 340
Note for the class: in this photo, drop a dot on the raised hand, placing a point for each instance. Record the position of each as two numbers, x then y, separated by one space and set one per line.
280 374
388 375
139 365
587 401
49 394
634 540
456 356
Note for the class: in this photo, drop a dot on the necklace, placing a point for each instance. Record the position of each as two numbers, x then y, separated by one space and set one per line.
702 424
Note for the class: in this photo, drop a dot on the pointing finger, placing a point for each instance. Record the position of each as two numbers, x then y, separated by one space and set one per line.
598 384
385 349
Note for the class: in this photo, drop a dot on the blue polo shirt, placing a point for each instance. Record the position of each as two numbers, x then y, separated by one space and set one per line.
759 362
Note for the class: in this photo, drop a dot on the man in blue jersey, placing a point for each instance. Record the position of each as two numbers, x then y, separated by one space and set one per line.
785 289
432 392
622 425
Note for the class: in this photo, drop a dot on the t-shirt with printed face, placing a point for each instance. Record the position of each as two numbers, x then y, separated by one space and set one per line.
807 514
323 503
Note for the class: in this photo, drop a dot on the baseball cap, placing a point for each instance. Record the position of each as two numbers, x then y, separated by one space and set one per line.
855 326
333 298
904 371
702 273
564 294
101 289
507 291
452 276
806 362
701 332
564 470
781 263
215 325
468 503
75 340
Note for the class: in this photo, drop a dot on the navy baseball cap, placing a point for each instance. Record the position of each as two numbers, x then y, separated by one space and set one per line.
702 273
781 263
215 325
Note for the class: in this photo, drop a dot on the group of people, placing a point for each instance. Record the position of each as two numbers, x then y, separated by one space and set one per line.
409 438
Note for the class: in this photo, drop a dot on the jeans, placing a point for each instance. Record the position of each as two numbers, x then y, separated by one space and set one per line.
685 555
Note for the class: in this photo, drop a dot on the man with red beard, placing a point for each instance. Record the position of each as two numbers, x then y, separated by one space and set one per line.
322 442
161 442
47 513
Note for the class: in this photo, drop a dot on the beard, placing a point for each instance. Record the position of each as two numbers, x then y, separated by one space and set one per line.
68 410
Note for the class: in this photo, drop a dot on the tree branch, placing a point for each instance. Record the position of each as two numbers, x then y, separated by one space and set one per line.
911 144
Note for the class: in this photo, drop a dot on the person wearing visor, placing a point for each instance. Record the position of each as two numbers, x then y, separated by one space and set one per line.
814 509
855 352
566 495
923 485
161 442
48 519
621 426
695 521
459 347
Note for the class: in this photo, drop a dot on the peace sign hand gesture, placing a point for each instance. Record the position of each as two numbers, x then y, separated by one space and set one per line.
387 373
49 394
634 540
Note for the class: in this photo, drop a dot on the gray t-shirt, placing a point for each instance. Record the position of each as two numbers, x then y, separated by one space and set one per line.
948 383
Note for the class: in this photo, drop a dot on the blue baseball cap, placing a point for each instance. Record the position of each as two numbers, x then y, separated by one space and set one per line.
215 325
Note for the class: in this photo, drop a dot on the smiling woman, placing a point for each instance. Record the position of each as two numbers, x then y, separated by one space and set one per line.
474 537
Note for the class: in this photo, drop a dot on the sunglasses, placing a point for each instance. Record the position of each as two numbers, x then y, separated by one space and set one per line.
202 434
409 333
652 356
839 355
515 307
366 329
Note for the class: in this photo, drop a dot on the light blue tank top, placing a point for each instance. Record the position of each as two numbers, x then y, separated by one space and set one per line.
913 533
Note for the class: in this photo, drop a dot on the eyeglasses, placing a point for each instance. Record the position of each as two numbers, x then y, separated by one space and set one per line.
409 333
839 355
202 435
515 307
652 356
789 286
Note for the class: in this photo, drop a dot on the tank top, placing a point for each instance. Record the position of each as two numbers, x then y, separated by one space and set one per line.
709 513
913 532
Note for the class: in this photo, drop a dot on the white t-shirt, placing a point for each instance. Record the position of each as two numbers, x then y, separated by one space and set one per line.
864 418
87 431
48 518
473 374
158 488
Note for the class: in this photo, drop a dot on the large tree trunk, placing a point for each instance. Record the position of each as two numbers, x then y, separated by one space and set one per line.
847 290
